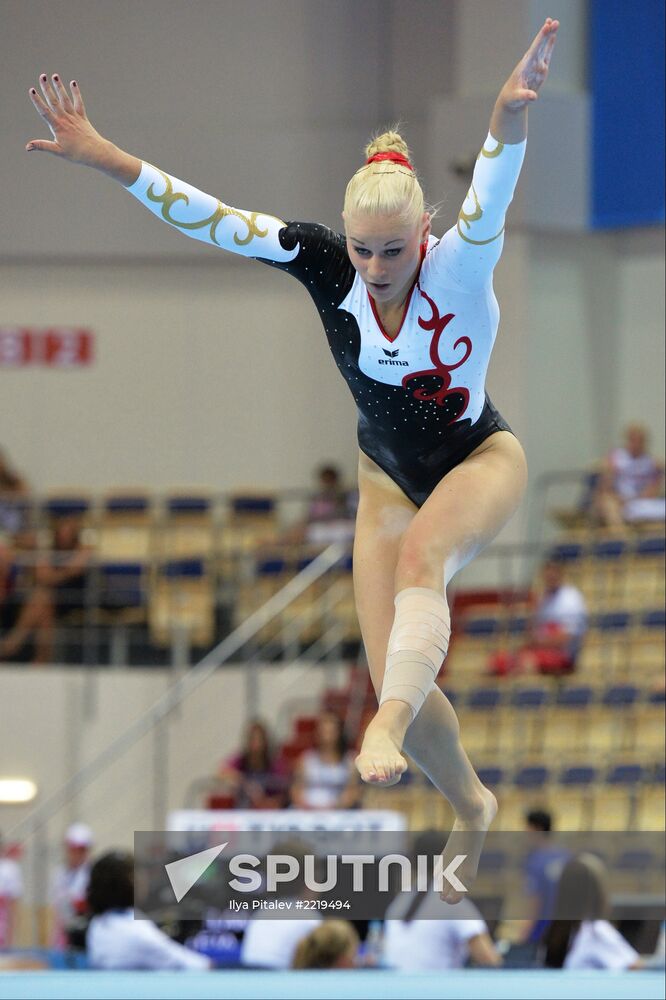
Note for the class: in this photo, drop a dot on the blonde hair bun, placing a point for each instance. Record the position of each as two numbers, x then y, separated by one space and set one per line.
383 187
387 142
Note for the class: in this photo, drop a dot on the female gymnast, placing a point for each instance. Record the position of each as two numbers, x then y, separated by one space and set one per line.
410 321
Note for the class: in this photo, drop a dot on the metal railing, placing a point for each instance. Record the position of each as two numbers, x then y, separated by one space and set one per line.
32 829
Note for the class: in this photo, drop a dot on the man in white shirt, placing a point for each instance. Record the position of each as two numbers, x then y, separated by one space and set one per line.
70 881
629 486
556 630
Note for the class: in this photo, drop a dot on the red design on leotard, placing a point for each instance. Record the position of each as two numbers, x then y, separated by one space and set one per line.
440 371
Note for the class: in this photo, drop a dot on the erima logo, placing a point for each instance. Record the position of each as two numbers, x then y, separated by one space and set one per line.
392 354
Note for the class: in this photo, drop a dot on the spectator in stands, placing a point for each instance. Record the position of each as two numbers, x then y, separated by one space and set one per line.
331 512
70 883
13 494
580 936
325 778
423 933
22 621
556 631
543 868
628 487
332 945
255 774
115 940
64 570
272 944
60 585
11 890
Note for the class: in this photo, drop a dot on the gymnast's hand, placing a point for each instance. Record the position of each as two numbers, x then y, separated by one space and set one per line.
74 138
523 85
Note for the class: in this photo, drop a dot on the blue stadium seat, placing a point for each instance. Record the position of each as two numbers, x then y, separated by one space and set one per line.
122 585
66 506
658 774
625 774
620 696
127 504
529 697
253 505
609 549
650 547
185 505
491 776
654 619
347 563
478 628
531 776
451 694
578 775
271 567
517 625
613 621
182 568
484 698
566 552
579 696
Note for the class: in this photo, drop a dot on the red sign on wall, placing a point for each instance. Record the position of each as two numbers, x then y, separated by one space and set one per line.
52 347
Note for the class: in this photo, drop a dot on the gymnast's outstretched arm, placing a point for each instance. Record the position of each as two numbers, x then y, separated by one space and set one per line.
198 215
469 251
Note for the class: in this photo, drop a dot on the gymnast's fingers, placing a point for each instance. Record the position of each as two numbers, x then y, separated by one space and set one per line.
48 92
41 106
77 99
61 92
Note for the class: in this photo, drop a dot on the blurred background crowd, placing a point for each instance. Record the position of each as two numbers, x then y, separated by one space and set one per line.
136 560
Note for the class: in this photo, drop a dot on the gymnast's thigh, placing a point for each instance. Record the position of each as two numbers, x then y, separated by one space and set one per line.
384 515
463 513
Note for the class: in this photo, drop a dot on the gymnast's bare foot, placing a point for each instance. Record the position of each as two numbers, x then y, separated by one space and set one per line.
380 761
467 839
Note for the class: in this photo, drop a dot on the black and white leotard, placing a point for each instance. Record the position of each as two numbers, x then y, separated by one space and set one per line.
421 399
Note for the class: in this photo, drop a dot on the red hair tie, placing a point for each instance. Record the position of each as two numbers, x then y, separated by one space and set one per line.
393 157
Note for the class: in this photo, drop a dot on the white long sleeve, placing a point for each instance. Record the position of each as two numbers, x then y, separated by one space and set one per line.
469 251
205 218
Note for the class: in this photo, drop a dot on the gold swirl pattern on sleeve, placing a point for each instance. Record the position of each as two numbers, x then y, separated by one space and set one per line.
490 154
170 197
469 218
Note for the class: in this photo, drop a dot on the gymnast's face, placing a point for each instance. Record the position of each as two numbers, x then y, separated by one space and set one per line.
386 252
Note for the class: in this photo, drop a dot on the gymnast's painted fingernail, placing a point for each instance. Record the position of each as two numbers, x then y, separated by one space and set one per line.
56 77
43 76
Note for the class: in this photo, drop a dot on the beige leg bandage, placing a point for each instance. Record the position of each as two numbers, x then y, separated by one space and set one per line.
417 646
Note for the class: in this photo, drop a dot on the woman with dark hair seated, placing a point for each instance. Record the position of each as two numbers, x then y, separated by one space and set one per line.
115 939
580 936
324 777
255 774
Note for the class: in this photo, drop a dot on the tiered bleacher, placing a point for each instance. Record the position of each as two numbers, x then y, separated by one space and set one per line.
590 746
